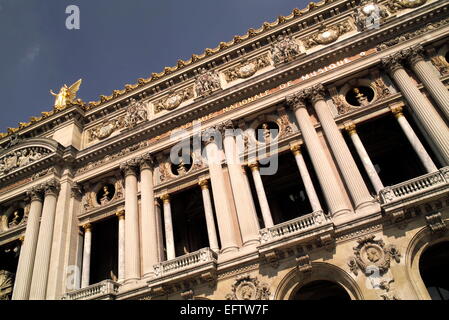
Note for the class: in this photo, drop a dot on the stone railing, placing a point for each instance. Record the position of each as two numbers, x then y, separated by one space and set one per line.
98 290
185 262
294 226
415 186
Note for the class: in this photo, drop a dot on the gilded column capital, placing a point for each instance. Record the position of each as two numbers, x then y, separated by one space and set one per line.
120 214
413 54
35 193
392 63
296 149
350 128
297 100
129 167
254 166
165 198
146 162
316 93
87 227
397 111
204 184
51 187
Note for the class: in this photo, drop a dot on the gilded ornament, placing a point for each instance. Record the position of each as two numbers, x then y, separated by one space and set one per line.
66 95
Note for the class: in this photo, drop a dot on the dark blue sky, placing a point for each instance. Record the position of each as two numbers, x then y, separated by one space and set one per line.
118 42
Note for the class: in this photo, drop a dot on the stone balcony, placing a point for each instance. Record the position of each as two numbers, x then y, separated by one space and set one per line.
197 266
413 192
313 226
105 290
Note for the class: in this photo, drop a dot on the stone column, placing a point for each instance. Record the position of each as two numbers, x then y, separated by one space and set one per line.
44 242
353 179
148 224
246 211
228 232
414 140
209 214
326 176
261 195
430 80
28 250
306 180
121 244
361 151
85 275
132 248
160 235
433 124
169 237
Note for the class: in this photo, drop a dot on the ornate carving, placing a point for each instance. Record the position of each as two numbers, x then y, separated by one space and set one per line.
303 263
173 100
392 63
6 284
51 187
327 35
397 5
105 129
369 15
373 253
21 158
285 127
247 68
206 83
436 223
249 288
129 167
285 49
135 113
297 100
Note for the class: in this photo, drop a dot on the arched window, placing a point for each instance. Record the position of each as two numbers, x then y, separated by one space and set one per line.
321 290
433 267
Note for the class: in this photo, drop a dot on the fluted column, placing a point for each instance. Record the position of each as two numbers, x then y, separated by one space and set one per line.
426 160
433 124
132 248
44 242
121 244
85 275
28 250
209 214
430 80
148 223
363 155
305 176
353 179
244 203
334 198
228 232
169 237
261 195
159 227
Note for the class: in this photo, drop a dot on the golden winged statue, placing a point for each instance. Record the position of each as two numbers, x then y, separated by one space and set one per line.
66 95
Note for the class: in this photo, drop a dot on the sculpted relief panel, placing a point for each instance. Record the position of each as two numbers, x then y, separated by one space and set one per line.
327 35
21 158
397 5
249 288
285 49
247 68
173 100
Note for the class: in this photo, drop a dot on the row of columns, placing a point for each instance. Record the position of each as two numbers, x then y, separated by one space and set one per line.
34 259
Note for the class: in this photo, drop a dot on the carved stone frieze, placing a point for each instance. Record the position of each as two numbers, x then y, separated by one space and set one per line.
398 5
206 83
285 49
247 68
21 158
136 113
327 35
6 284
246 287
105 129
173 100
369 15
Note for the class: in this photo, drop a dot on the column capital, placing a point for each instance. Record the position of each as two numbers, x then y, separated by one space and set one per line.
350 128
165 198
397 111
254 166
76 191
296 149
87 227
145 161
120 214
51 187
204 184
210 135
35 193
316 93
297 100
392 63
413 54
129 167
227 128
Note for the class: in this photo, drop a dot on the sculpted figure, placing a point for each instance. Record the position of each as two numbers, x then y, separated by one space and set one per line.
66 95
207 82
135 113
361 98
285 49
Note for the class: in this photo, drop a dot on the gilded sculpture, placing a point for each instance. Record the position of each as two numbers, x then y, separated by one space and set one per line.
66 95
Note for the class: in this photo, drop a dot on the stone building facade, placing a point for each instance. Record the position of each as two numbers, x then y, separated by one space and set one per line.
307 159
